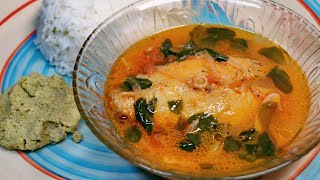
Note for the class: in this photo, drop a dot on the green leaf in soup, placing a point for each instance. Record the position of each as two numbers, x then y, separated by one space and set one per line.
273 53
239 43
231 144
267 146
206 121
197 35
281 79
166 48
217 34
189 45
221 33
175 106
181 124
133 134
206 37
144 113
194 137
130 82
183 54
247 135
251 148
188 50
217 56
187 146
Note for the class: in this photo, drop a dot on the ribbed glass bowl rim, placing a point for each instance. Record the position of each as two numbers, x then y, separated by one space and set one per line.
160 172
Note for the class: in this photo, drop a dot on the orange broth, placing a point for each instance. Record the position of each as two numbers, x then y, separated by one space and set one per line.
162 145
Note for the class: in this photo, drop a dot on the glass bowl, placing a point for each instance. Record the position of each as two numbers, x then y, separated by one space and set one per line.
279 24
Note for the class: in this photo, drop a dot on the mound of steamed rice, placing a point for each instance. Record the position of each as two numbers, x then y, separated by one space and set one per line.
64 25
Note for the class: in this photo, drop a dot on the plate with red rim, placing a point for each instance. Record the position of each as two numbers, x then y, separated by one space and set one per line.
90 159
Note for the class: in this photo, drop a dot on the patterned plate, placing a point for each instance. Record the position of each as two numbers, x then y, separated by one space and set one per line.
91 159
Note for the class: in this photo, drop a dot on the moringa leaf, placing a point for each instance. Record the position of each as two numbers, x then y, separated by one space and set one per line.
273 53
247 135
194 137
128 84
239 43
175 106
221 33
133 134
251 148
217 56
190 45
198 34
206 37
166 48
231 144
268 148
206 121
189 50
281 79
187 146
144 113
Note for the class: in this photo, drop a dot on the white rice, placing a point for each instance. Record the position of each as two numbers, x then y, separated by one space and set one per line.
64 25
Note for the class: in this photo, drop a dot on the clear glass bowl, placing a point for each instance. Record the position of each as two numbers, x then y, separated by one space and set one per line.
276 22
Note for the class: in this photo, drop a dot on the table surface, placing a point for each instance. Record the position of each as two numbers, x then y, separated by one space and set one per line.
13 166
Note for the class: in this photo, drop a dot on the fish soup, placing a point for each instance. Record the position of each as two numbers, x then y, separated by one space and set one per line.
207 98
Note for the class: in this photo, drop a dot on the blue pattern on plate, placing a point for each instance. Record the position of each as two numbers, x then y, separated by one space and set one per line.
314 5
90 159
312 171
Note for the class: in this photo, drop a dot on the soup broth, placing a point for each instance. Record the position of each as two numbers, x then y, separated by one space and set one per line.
207 98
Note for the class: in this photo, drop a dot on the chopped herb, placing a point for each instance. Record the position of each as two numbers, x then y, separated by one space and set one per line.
216 34
191 142
247 135
166 48
251 148
221 33
231 144
281 79
130 82
264 148
206 121
144 113
190 45
133 134
194 137
187 146
189 50
197 35
175 106
239 43
268 148
217 56
181 124
273 53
